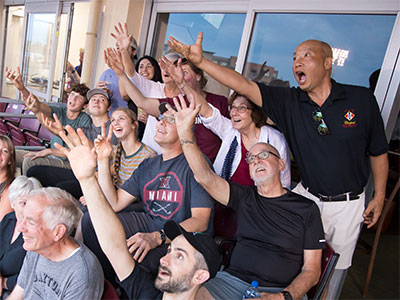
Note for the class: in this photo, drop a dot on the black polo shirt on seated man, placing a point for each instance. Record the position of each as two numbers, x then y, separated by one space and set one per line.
272 235
337 162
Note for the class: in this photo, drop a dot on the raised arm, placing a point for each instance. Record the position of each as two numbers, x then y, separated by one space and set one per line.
149 105
118 199
224 75
177 74
111 234
38 108
124 42
216 186
16 79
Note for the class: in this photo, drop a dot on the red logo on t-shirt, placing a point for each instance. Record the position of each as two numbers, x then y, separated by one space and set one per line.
163 195
349 119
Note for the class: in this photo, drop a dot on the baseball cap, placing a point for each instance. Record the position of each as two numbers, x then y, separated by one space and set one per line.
201 242
97 91
163 107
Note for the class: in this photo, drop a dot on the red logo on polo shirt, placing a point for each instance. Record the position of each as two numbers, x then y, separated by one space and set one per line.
349 119
163 195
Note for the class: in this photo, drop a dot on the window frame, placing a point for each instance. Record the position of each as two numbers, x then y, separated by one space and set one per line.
387 90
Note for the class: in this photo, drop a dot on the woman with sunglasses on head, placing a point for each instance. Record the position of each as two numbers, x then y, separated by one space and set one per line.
7 172
157 92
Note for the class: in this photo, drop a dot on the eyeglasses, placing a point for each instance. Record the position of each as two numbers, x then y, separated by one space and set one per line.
169 119
240 109
322 127
261 156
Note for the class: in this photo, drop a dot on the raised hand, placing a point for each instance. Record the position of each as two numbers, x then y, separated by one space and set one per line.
102 143
32 103
184 116
113 60
194 52
121 36
142 243
175 71
54 126
81 154
15 77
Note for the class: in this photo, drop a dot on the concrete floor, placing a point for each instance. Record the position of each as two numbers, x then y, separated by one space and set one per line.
385 280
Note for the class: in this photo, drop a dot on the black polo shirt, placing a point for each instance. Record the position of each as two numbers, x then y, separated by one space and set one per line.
337 162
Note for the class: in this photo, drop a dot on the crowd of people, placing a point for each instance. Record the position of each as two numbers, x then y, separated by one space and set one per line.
128 191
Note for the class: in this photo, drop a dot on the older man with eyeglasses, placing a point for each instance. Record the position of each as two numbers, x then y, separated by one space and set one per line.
279 235
335 132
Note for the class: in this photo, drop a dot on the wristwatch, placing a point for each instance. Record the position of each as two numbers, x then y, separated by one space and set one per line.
286 295
163 237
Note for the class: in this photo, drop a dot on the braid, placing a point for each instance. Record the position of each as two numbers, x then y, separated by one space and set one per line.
116 164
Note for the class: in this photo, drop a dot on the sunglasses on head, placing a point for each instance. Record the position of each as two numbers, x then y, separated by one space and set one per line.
184 61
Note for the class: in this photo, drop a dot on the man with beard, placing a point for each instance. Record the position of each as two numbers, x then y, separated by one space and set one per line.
191 259
278 232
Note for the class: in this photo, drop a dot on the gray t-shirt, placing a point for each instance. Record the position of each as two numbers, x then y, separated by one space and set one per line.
77 277
168 190
92 132
83 120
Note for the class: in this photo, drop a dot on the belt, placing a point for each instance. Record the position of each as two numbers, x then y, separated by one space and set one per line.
340 197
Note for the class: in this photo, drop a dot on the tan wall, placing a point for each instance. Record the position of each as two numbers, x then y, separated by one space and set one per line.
129 11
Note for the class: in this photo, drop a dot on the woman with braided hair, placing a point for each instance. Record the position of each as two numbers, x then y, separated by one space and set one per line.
126 156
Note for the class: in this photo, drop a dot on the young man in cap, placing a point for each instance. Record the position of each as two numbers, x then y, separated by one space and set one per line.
191 259
97 108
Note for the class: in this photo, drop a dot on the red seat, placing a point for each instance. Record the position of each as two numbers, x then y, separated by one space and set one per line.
109 292
44 134
328 263
16 135
3 128
15 109
32 140
29 123
3 107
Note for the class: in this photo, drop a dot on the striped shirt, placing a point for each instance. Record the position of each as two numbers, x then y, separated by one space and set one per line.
130 163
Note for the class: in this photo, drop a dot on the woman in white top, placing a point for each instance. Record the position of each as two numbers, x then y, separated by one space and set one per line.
245 128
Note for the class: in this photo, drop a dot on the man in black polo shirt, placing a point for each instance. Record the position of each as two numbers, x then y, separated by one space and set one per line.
191 260
334 131
279 235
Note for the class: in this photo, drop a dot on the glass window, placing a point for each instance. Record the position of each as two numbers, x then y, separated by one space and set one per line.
14 26
359 43
222 34
37 54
